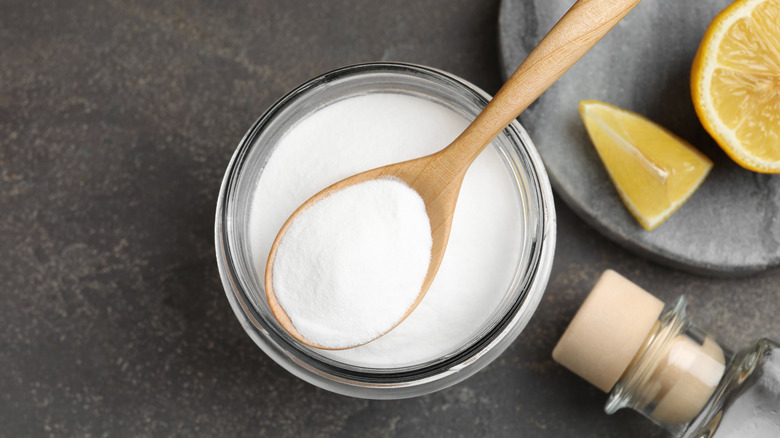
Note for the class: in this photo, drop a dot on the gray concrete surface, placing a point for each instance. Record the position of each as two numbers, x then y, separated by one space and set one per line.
729 226
117 120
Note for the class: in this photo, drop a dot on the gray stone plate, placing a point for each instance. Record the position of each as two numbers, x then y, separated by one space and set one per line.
729 226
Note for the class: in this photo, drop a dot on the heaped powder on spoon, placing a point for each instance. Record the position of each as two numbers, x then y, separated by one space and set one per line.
350 266
485 245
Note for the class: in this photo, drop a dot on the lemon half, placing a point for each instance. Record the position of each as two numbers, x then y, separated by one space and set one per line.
735 83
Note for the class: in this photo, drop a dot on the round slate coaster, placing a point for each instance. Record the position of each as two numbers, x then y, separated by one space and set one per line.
729 226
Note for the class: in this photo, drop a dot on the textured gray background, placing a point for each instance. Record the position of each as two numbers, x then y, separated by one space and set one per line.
117 120
729 226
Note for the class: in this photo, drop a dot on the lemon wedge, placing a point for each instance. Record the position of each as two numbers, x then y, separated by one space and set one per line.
653 170
735 83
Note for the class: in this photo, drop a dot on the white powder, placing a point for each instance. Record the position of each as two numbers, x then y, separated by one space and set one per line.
364 132
350 266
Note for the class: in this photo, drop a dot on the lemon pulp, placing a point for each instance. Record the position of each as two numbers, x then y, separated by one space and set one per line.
735 83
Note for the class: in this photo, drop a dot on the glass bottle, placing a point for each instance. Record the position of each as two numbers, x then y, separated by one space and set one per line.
653 359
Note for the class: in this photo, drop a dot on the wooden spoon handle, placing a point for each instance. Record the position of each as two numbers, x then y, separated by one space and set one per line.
574 34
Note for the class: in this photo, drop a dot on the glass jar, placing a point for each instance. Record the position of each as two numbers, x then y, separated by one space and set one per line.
715 394
244 286
653 359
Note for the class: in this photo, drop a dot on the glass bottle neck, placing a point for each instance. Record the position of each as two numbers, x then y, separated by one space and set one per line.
673 375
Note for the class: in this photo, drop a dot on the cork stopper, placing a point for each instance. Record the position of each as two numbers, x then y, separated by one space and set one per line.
608 330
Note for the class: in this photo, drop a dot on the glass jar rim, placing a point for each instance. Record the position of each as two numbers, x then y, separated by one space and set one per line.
404 381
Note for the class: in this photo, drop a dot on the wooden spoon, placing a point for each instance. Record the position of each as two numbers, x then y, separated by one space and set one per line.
438 177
